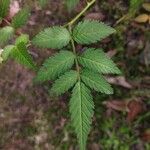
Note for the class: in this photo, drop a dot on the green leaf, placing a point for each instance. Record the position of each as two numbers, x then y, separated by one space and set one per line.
96 81
42 2
98 61
1 58
64 83
88 32
134 6
24 38
81 109
55 66
55 37
5 34
21 55
71 4
4 6
21 18
7 52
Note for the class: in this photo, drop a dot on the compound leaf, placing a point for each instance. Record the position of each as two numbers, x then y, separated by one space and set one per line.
21 55
21 18
88 32
5 34
81 110
55 37
4 6
55 66
96 81
98 61
64 83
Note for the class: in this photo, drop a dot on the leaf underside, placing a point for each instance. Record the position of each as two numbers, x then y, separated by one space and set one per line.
81 110
55 66
87 32
55 37
98 61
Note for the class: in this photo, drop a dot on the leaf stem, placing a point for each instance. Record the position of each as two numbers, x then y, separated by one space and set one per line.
89 4
74 51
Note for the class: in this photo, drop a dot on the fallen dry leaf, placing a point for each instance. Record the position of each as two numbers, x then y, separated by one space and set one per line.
146 136
112 53
145 55
142 18
146 6
120 80
135 108
117 105
95 16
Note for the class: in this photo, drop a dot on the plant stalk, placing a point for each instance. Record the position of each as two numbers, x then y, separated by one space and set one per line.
89 4
74 51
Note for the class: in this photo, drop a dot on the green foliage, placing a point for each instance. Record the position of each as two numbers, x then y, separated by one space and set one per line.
4 6
7 52
55 66
55 37
42 2
23 38
87 32
21 18
98 61
5 34
81 110
134 6
21 55
71 4
94 60
19 52
112 134
96 81
64 83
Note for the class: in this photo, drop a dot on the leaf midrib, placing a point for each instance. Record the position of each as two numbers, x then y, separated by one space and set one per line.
26 58
100 64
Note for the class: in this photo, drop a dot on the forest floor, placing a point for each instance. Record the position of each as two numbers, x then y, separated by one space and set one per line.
32 120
